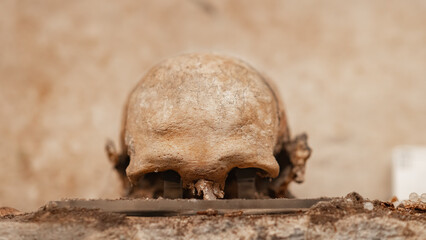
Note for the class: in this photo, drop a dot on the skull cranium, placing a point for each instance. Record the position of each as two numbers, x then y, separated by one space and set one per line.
202 115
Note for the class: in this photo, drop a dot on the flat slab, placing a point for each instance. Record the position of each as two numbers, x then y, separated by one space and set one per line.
351 217
181 207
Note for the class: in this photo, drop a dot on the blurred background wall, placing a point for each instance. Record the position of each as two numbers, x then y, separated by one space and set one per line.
352 75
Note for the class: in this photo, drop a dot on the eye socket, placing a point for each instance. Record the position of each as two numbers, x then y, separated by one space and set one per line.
166 184
149 185
172 185
242 183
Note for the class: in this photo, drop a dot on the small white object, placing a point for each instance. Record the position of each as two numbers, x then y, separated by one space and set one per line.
423 197
408 171
413 197
396 204
368 206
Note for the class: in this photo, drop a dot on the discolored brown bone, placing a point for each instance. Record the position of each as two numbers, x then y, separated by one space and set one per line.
202 115
208 190
295 156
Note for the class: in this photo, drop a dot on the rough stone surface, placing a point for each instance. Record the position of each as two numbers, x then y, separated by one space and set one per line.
342 218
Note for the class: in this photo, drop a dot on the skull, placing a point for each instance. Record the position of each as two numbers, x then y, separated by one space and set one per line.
202 115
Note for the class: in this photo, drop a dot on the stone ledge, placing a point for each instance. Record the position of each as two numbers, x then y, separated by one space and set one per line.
351 217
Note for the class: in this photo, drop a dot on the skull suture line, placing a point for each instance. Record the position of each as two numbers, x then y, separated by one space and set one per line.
202 115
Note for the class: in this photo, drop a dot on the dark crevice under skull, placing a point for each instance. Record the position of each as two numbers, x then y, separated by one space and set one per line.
202 115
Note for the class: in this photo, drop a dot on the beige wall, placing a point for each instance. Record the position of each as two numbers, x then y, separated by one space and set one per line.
352 74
